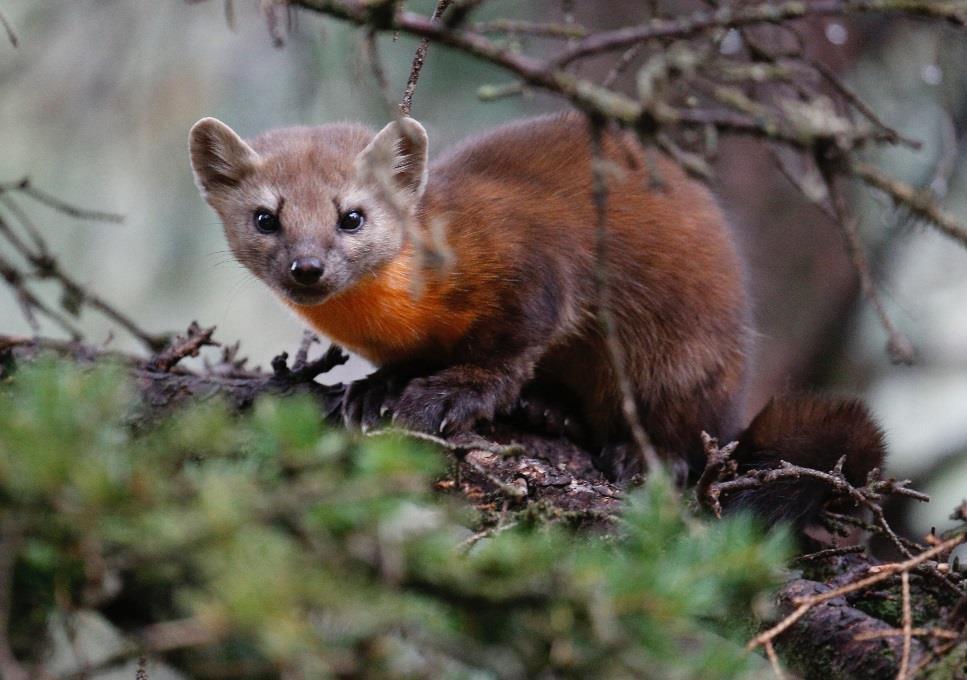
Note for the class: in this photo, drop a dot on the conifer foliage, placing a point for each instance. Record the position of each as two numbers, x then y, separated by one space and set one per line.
269 544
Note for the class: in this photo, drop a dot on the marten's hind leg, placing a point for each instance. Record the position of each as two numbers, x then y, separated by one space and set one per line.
549 410
674 427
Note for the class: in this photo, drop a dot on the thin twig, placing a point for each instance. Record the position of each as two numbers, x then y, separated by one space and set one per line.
907 625
838 519
619 66
919 201
938 633
589 96
26 187
26 224
937 652
629 407
30 302
72 348
774 660
182 347
881 573
459 444
406 103
900 348
74 295
847 93
471 541
302 355
830 552
718 464
817 195
8 27
308 371
371 47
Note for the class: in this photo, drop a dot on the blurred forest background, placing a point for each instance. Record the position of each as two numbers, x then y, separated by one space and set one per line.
99 96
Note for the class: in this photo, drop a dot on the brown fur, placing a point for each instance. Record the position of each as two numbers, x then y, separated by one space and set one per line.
810 432
517 305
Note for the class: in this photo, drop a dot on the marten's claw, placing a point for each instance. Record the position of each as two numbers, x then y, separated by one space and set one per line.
368 401
549 416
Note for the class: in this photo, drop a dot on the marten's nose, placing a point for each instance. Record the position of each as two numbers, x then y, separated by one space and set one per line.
306 270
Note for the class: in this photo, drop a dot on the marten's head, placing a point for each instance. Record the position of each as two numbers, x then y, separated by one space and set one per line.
312 210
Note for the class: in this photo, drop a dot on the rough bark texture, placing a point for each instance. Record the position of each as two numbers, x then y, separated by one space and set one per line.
823 643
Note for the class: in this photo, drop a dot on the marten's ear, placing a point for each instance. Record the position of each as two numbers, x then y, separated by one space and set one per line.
219 157
396 159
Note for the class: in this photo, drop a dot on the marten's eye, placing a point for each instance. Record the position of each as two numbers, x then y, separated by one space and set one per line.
266 221
352 220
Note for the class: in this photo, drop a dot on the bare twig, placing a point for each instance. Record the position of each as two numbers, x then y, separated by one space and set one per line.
302 355
230 14
920 201
774 660
26 187
459 444
472 540
307 371
371 46
839 520
8 27
71 348
183 346
907 625
623 62
20 215
900 348
45 266
830 552
29 303
719 479
612 105
881 573
718 464
406 103
938 633
629 407
854 100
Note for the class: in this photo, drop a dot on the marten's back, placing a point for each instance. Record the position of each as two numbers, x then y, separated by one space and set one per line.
529 185
518 207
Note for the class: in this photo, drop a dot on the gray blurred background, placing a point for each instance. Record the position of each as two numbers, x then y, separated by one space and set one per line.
98 99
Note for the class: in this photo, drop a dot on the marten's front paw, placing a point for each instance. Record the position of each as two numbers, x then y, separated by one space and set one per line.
369 401
437 406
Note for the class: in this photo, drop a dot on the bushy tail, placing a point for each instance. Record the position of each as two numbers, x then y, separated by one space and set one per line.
811 432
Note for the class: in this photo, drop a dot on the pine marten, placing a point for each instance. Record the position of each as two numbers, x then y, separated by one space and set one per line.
337 221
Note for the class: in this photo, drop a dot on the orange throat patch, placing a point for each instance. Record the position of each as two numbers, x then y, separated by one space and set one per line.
396 315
